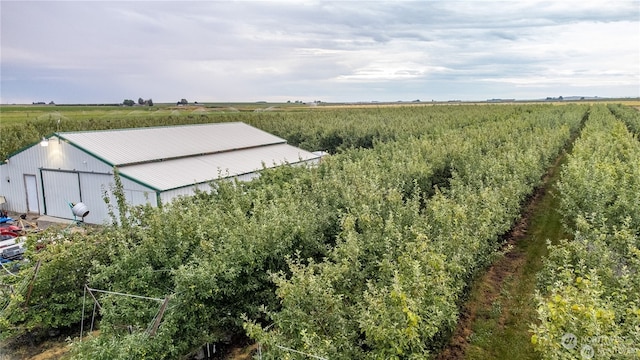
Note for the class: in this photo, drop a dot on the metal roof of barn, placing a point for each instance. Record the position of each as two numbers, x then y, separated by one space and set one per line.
142 145
172 174
172 157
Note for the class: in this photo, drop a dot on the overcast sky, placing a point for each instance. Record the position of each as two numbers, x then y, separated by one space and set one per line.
224 51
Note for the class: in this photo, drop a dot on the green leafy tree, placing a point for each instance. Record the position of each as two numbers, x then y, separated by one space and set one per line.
589 289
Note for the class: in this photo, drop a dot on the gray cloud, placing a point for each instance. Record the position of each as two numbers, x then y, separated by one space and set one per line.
95 51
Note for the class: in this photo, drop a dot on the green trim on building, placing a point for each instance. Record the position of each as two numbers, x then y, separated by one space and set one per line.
83 149
24 149
115 168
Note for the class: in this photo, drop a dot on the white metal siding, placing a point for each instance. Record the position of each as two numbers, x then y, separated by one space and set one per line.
140 197
59 155
12 187
12 184
92 188
169 195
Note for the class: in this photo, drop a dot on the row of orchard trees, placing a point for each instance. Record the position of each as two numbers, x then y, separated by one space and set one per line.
391 286
365 256
589 289
629 115
331 130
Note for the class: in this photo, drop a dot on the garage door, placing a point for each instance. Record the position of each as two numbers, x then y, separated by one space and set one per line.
60 188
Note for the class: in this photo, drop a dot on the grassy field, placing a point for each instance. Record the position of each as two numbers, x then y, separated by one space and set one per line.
19 114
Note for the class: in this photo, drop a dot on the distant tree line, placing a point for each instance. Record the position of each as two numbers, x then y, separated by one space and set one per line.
141 101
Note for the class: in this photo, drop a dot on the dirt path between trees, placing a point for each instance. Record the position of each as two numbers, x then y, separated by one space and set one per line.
501 301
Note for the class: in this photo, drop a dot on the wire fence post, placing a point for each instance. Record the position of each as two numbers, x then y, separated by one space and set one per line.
93 296
84 300
156 324
93 316
96 304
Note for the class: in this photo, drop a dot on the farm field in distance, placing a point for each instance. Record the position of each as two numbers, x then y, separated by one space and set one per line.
18 114
377 252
